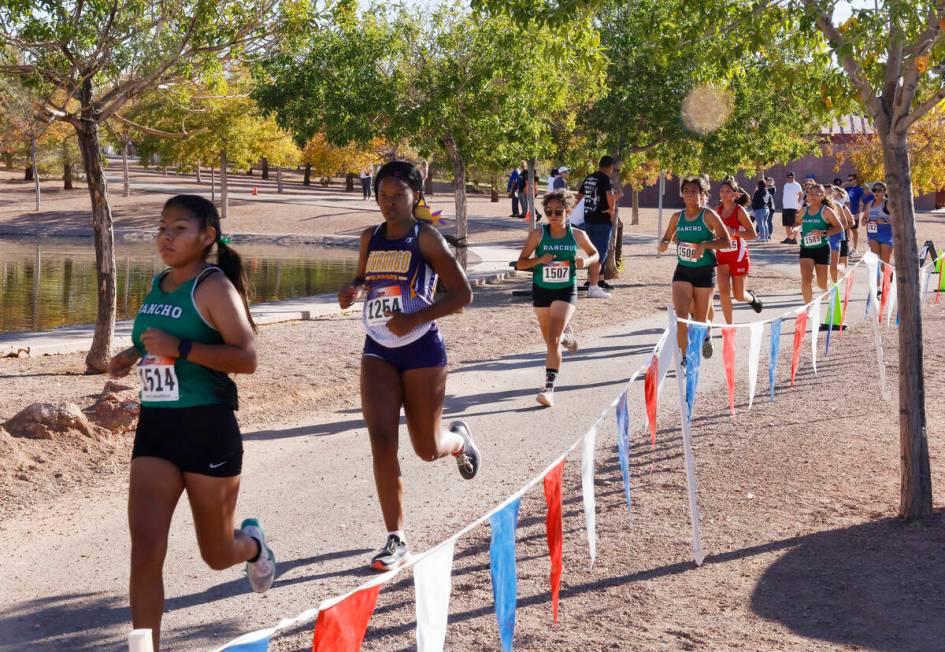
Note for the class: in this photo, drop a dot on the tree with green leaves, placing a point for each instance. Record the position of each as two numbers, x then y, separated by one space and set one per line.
893 57
95 55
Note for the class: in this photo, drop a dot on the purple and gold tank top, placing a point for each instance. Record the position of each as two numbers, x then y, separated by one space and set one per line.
396 279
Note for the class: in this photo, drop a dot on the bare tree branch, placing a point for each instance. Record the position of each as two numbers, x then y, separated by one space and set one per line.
922 109
157 132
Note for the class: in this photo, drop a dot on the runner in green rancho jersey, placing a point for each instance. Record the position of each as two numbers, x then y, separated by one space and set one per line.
698 232
818 223
552 252
192 331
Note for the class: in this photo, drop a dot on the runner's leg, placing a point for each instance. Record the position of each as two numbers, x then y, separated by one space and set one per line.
822 271
682 298
213 503
725 292
155 486
807 275
424 391
381 399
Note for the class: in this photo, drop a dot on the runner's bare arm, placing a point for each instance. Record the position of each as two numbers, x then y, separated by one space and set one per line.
749 231
218 300
585 243
723 239
670 234
835 225
525 260
348 294
122 362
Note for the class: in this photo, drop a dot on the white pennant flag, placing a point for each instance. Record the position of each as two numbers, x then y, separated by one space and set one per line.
872 263
694 519
926 280
587 487
814 330
754 352
432 582
891 302
665 356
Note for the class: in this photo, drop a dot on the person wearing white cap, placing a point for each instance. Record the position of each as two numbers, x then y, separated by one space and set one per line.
561 181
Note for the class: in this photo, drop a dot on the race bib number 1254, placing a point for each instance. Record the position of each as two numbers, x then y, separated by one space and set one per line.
387 300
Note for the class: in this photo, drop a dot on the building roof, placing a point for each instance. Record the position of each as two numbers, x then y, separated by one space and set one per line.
848 125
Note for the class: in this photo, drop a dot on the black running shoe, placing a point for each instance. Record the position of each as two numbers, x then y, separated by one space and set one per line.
392 555
755 302
586 285
707 349
604 284
468 460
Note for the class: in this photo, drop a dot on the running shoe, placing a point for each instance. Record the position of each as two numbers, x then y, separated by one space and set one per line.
261 572
546 397
568 340
604 284
597 292
755 302
786 241
468 460
707 349
393 554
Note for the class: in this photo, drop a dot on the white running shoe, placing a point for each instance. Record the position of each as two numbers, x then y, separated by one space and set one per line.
568 340
546 397
597 292
261 572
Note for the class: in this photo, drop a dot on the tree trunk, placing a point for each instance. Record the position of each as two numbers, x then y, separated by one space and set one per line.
67 175
307 179
349 182
530 189
213 187
199 176
33 172
265 168
98 356
915 494
634 206
224 191
28 172
279 179
8 160
459 195
164 170
494 190
249 172
428 180
126 186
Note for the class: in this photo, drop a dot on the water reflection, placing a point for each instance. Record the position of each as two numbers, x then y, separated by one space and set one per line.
46 284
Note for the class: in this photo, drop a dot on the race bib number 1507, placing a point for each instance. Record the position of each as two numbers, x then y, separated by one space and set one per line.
557 271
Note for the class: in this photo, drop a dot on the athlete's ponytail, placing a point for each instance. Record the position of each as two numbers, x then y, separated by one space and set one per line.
229 262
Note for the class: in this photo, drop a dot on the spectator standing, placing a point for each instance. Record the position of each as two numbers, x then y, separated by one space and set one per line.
858 198
773 191
760 208
561 180
366 178
551 179
597 190
791 196
512 190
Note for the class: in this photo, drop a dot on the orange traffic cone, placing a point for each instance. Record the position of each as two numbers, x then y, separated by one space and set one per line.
254 191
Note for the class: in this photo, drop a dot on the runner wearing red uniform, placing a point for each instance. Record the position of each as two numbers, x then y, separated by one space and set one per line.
733 263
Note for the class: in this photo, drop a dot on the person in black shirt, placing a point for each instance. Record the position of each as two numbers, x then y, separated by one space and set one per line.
597 191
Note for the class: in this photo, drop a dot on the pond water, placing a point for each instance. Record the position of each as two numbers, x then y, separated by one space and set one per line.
46 284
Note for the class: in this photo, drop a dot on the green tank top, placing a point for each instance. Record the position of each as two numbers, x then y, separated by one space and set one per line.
689 232
173 382
561 272
814 223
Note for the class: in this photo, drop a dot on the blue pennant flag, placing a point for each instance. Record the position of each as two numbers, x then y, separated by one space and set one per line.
253 642
697 335
502 569
623 443
773 354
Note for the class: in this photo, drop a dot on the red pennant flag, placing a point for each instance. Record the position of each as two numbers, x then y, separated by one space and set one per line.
650 390
846 300
728 359
800 325
341 627
887 277
553 528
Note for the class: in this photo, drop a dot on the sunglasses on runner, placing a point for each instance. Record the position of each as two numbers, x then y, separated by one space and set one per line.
879 190
557 212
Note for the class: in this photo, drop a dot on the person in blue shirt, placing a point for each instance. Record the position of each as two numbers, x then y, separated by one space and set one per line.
858 199
512 189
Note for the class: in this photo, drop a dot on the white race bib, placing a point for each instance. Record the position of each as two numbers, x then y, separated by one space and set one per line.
686 251
557 271
388 299
872 227
158 379
731 249
813 240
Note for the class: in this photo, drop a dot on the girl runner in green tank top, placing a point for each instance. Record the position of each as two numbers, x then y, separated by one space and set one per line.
193 329
554 254
698 232
818 223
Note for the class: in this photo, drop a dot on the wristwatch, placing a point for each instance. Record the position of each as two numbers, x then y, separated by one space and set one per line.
183 349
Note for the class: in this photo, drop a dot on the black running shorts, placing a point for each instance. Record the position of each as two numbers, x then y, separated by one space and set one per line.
820 255
543 297
788 216
204 439
699 277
